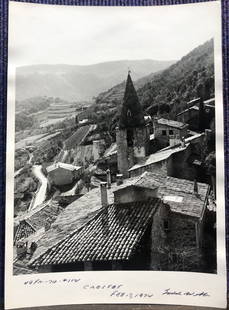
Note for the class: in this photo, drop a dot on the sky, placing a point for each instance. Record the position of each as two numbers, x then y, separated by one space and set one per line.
48 34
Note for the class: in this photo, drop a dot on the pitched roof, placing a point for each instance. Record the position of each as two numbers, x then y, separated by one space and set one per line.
63 166
79 136
82 210
131 113
125 224
143 181
210 101
171 123
159 156
34 221
23 231
179 194
112 150
194 107
193 101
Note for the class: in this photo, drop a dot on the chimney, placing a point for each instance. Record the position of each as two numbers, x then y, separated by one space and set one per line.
119 179
108 178
208 134
103 190
104 201
195 187
182 142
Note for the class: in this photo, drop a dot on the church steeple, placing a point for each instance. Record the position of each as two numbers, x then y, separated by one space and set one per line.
132 135
131 112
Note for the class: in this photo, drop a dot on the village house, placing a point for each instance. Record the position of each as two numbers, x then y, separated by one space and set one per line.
191 115
31 226
169 132
144 223
184 160
63 174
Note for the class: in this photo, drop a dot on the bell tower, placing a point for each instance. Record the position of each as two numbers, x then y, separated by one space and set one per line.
132 134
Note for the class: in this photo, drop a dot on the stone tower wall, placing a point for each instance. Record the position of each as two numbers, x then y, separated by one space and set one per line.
122 152
141 143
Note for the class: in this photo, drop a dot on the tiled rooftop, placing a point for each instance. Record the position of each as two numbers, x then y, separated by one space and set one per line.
159 156
145 181
79 136
126 225
23 231
179 195
34 221
82 210
165 153
171 123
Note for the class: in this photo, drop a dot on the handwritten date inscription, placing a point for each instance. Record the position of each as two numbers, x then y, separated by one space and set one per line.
116 290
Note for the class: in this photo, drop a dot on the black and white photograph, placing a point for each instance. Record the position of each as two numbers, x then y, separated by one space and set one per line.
115 161
114 148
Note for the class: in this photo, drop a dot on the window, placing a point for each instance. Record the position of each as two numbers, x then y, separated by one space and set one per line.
166 225
170 132
163 132
130 137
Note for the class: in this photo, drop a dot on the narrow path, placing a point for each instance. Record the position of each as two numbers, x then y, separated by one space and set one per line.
41 193
18 172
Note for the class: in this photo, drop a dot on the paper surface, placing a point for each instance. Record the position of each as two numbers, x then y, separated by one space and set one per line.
51 35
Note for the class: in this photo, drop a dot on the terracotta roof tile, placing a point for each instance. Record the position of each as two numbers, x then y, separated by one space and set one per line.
97 242
81 211
35 221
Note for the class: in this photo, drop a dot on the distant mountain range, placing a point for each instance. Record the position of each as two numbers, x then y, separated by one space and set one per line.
170 89
80 83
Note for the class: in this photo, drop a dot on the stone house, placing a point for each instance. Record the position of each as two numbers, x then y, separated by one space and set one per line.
162 229
191 115
169 132
36 222
183 160
63 174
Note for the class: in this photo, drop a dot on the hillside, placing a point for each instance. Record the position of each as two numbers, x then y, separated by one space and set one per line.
168 90
79 83
115 94
175 86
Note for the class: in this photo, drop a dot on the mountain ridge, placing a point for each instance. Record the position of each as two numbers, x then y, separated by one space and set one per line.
79 82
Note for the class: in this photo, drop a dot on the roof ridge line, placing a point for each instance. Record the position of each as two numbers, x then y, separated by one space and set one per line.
70 235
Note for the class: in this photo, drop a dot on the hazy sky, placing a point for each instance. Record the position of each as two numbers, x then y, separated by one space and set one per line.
46 34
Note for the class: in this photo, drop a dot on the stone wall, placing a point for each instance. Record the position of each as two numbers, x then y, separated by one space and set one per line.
173 242
159 168
141 142
132 194
61 176
158 237
98 148
122 152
